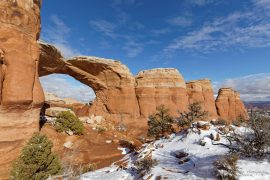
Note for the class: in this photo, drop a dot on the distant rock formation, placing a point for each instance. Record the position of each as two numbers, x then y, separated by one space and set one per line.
229 105
202 91
20 89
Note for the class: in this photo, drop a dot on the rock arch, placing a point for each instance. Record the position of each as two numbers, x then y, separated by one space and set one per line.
120 95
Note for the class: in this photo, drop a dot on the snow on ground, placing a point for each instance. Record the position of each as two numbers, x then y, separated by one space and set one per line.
200 165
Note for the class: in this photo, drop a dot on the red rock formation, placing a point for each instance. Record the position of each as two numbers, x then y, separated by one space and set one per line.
112 82
21 93
120 97
229 105
202 91
162 86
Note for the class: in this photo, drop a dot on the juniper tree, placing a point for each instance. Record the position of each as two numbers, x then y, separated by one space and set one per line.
160 122
194 113
36 162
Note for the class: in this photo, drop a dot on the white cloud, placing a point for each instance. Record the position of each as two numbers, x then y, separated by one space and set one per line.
180 21
255 87
104 27
132 48
158 32
130 43
65 86
239 30
58 33
262 3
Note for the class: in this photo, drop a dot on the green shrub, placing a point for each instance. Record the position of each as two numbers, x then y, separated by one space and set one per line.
195 113
160 122
36 161
220 122
66 121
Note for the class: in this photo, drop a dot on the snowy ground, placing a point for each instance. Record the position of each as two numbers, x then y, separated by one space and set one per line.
200 165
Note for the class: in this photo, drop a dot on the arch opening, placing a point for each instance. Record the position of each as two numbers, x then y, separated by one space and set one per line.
66 87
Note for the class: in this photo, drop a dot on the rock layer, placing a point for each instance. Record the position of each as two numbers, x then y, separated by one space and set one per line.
163 86
20 90
229 105
119 95
202 91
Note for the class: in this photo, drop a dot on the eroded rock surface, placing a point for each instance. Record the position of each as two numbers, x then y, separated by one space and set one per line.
20 90
202 91
229 105
163 86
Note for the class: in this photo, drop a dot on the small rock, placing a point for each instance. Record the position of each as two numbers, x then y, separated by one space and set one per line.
68 144
69 132
98 119
109 141
90 121
180 154
184 161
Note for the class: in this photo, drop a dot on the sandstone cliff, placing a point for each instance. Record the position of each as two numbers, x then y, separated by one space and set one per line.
20 90
202 91
229 105
161 86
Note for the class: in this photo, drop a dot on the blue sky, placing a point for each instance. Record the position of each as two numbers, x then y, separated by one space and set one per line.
227 41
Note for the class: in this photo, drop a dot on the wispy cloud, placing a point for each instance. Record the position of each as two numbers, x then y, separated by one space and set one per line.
67 87
104 27
129 38
262 3
180 21
200 2
239 30
162 31
58 33
133 48
255 87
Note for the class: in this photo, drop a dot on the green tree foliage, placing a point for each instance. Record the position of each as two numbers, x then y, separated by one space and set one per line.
194 113
66 121
160 122
36 162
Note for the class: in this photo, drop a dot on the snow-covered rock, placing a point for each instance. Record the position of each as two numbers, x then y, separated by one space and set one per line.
199 164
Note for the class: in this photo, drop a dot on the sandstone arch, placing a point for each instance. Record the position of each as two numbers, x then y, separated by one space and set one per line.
120 95
112 81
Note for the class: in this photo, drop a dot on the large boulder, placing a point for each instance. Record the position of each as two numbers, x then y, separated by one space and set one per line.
162 86
229 105
20 89
202 91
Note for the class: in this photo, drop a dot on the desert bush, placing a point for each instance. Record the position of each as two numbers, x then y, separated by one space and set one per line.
220 122
36 162
101 129
160 122
194 113
66 121
144 165
226 168
255 141
88 168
